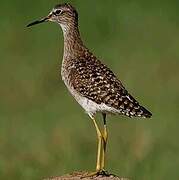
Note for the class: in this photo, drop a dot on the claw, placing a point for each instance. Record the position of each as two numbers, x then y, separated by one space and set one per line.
96 174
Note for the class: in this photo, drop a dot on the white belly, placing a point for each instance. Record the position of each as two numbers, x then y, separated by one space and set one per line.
88 105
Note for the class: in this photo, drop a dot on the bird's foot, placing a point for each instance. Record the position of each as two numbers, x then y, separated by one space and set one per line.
96 174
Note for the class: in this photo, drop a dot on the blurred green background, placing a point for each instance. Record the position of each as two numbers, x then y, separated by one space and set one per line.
44 132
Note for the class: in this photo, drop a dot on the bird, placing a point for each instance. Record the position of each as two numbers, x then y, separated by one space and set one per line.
93 85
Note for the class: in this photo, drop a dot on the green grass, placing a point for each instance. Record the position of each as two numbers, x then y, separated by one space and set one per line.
44 132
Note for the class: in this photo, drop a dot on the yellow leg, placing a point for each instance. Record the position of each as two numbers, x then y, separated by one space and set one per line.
98 164
104 142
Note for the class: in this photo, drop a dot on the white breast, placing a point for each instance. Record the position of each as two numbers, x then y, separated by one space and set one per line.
88 105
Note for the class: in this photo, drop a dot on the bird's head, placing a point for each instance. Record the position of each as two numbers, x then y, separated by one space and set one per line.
63 14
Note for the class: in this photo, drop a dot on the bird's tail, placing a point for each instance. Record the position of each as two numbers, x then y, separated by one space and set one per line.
145 113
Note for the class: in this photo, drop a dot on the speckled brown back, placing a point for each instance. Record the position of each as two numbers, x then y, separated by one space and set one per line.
97 82
88 76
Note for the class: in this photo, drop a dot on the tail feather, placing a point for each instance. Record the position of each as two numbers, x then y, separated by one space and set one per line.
136 110
145 113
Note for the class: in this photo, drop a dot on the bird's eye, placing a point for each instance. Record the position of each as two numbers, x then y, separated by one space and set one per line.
57 12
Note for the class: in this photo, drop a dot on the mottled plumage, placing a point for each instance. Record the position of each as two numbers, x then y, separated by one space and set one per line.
87 78
91 83
95 81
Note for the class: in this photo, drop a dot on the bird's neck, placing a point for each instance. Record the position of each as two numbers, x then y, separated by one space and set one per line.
73 44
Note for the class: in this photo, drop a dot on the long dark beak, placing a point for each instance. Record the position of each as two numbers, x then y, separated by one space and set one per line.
45 19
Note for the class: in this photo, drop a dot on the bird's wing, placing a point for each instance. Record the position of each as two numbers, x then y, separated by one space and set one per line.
97 82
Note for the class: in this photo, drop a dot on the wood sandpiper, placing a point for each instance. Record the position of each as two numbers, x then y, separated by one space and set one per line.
90 82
